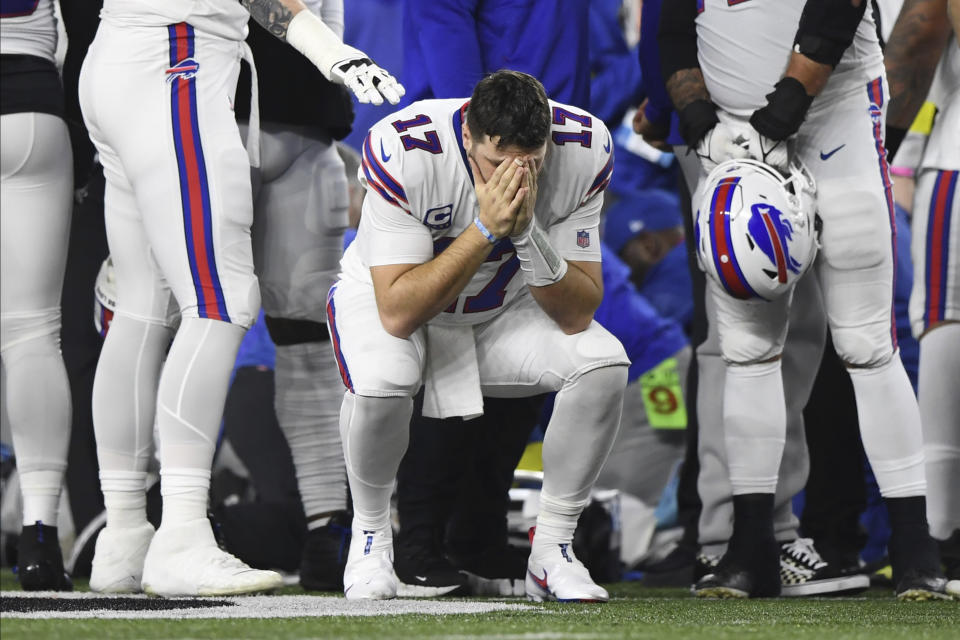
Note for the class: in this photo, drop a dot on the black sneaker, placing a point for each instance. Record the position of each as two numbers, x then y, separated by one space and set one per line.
926 585
499 571
749 569
325 554
803 572
732 580
424 571
39 560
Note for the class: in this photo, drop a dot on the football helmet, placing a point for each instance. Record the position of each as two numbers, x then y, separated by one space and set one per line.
756 230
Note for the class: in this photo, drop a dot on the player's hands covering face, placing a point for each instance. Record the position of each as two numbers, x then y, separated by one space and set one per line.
502 196
525 214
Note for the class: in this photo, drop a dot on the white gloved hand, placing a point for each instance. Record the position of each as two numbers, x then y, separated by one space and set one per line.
719 144
767 150
341 63
368 81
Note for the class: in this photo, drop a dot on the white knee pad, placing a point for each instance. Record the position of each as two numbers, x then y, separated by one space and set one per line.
750 331
864 347
741 347
18 328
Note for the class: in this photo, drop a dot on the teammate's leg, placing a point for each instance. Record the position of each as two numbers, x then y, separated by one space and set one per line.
751 336
381 374
523 352
190 177
803 344
935 318
856 271
36 189
125 389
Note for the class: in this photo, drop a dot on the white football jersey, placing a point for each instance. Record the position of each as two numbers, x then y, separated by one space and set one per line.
943 146
28 27
420 197
744 46
223 18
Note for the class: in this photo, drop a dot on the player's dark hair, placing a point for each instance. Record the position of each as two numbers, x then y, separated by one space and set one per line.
511 105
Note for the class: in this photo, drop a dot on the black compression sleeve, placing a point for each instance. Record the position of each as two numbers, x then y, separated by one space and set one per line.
677 36
827 28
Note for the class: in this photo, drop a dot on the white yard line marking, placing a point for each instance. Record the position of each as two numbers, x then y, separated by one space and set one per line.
266 607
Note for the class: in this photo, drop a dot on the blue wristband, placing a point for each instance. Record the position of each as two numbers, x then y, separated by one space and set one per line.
486 234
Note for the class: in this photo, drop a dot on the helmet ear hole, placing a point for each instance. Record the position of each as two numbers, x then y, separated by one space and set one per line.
770 274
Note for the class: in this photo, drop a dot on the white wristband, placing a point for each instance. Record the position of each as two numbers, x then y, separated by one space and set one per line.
318 43
539 261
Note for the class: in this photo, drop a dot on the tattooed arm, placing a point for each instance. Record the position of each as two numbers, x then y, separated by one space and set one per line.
274 15
913 50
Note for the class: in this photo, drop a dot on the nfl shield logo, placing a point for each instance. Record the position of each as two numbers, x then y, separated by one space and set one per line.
583 239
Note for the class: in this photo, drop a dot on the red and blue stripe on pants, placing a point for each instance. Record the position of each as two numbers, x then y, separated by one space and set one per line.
194 187
875 94
938 246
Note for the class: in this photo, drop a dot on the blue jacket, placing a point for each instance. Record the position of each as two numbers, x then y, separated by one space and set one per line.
449 45
659 106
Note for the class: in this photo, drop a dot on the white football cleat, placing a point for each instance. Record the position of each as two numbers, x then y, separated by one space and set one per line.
118 559
554 573
369 573
184 560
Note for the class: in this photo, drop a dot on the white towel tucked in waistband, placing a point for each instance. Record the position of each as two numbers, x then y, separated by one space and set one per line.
451 376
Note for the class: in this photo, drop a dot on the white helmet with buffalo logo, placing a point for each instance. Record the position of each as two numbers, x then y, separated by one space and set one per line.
756 230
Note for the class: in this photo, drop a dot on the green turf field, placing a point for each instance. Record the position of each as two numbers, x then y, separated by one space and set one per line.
634 612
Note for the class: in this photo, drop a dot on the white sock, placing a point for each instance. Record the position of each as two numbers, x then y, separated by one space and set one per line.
124 497
939 398
41 495
754 426
185 495
308 398
375 434
557 520
890 428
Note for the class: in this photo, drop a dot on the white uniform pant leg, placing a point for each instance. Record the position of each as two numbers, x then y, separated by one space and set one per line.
171 127
935 249
159 99
381 374
856 272
935 320
35 206
128 371
523 352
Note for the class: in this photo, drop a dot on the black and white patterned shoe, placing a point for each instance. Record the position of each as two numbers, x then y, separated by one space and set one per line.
803 572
